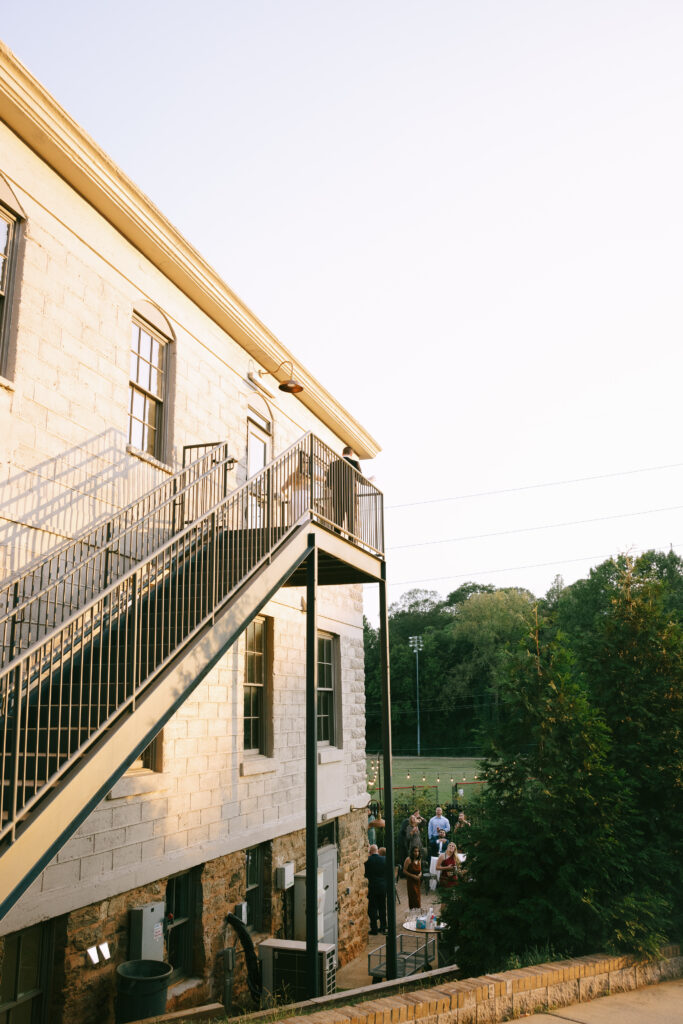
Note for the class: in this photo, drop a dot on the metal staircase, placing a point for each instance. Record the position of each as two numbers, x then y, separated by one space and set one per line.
98 659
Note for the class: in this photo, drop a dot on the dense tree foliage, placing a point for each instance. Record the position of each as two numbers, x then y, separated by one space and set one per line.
578 837
577 704
466 639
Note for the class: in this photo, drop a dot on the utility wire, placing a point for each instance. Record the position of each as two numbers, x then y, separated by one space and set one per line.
533 529
534 487
512 568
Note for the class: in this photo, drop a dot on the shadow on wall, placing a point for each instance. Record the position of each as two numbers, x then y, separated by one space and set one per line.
51 501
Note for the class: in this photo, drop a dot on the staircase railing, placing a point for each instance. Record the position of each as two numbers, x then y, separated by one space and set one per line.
46 593
58 697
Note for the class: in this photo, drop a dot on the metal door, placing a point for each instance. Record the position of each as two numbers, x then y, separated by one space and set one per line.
327 863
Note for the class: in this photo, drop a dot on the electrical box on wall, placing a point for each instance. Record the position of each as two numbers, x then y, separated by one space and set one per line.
300 905
147 932
241 912
284 876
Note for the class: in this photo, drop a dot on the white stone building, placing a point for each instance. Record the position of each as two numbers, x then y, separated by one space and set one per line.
119 348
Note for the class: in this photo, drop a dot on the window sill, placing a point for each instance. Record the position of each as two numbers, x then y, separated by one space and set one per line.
8 385
146 457
183 985
138 784
258 764
330 755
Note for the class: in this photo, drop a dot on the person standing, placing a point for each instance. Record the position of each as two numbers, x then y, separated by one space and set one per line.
436 823
297 488
412 869
376 874
448 865
341 480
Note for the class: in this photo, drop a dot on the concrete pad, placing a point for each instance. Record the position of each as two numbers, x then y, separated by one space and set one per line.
657 1004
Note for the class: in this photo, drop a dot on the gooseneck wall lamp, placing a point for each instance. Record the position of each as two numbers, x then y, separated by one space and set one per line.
291 386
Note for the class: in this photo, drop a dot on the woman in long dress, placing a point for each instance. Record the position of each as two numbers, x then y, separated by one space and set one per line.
297 488
449 867
412 869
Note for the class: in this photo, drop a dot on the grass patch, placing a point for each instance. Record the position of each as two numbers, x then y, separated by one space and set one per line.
420 773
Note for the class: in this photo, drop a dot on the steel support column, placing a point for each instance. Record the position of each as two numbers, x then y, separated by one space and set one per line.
312 768
392 964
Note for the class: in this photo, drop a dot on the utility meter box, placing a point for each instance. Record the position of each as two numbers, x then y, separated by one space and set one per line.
300 905
284 876
147 932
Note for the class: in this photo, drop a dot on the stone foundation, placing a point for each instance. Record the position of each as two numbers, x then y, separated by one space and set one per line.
85 995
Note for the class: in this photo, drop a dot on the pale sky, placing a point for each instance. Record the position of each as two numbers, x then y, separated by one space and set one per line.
466 219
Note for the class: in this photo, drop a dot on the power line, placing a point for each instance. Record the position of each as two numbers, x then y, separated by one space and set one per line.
512 568
533 529
534 487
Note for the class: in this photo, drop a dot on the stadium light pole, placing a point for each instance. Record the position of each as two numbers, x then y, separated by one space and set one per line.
417 643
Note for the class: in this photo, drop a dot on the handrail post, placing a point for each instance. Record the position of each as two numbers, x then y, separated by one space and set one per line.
311 470
269 509
13 622
106 554
134 640
214 565
15 751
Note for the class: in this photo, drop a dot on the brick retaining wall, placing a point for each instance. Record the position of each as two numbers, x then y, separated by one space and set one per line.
483 1000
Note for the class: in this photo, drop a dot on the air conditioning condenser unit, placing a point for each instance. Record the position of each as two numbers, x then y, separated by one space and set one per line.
285 974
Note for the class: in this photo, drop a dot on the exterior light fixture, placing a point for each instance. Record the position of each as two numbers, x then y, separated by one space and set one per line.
98 954
290 386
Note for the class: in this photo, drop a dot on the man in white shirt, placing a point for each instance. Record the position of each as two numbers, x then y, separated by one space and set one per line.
436 823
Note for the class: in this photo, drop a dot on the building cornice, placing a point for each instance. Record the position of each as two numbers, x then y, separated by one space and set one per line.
36 118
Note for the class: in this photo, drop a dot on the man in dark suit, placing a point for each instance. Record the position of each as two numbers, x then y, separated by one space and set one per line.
342 483
376 874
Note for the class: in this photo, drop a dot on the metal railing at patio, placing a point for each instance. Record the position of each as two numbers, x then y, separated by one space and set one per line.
59 696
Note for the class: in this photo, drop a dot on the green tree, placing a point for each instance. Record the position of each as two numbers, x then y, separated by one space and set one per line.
485 628
549 857
632 666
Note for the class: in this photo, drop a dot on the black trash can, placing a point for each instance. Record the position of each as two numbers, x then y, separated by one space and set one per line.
141 987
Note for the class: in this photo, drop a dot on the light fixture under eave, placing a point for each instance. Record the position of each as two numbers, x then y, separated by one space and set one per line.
291 386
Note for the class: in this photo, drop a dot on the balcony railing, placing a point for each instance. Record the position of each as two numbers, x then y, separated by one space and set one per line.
59 696
45 594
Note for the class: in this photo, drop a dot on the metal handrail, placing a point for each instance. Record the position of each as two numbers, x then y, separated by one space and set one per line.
58 697
46 593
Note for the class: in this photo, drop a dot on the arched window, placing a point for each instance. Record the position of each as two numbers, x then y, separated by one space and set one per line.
151 335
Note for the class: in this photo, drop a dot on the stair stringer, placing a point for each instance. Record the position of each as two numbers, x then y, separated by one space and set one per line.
58 816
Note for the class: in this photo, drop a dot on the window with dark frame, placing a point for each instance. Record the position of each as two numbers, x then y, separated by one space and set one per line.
255 675
255 895
326 681
8 246
151 758
180 894
24 979
147 389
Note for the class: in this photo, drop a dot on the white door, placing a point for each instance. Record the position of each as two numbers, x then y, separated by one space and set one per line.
258 443
327 863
